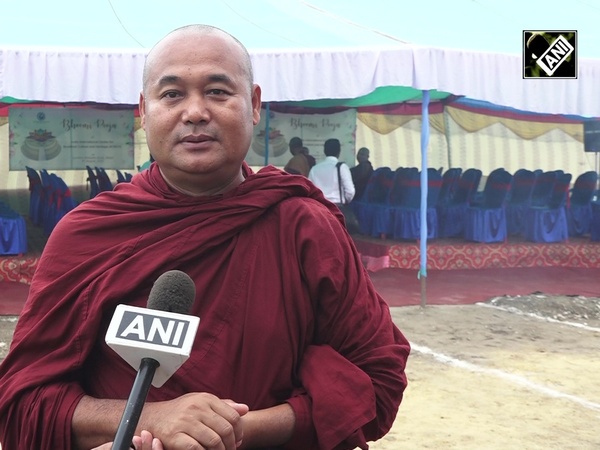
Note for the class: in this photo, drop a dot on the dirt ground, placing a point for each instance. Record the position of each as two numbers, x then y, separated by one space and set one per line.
521 377
509 373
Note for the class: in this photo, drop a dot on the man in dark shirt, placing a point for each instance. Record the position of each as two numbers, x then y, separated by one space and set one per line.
361 172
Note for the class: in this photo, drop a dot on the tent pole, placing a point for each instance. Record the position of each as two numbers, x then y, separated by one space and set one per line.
424 178
447 135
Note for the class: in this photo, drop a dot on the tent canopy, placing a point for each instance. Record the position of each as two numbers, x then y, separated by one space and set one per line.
378 51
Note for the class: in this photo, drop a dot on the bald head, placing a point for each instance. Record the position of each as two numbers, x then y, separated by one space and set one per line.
197 32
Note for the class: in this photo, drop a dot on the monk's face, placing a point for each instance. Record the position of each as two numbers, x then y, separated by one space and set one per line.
198 109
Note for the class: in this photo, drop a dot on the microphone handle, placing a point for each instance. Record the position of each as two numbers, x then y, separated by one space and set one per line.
135 404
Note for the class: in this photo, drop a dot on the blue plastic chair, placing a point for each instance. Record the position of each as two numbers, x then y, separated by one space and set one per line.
549 223
52 205
65 200
36 195
486 222
542 190
120 176
48 203
449 183
579 208
92 179
519 199
407 217
400 192
376 193
104 183
451 217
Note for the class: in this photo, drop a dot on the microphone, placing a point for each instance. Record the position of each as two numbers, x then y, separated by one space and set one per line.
156 341
538 45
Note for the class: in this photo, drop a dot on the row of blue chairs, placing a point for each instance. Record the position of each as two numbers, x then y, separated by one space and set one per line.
99 181
49 199
547 209
390 205
538 205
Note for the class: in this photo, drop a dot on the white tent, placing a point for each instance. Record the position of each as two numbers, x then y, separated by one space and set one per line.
63 52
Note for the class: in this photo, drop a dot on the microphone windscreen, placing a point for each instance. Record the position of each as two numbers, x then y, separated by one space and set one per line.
174 291
537 44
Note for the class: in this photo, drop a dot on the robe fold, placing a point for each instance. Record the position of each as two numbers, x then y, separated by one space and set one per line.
287 312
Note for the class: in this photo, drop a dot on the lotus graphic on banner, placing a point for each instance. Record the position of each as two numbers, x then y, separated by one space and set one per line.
70 138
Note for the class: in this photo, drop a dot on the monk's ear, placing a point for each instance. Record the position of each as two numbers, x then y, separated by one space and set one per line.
256 103
142 109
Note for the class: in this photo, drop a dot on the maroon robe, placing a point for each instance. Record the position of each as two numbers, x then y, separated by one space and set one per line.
287 312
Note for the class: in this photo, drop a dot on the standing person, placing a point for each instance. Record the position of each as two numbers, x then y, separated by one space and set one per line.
361 173
311 159
281 319
325 175
298 164
335 181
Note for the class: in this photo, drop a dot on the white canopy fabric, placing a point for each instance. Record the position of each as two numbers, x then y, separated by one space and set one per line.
351 61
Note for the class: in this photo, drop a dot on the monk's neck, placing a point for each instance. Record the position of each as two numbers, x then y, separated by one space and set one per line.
200 191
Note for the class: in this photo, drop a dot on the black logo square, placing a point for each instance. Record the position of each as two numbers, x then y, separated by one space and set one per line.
550 54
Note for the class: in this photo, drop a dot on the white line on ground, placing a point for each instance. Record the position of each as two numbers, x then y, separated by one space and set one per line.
516 379
535 316
8 318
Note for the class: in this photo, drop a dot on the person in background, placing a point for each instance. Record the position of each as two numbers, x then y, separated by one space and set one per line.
361 173
325 175
282 319
311 159
298 164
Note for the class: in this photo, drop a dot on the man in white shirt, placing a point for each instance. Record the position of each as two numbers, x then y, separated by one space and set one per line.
325 175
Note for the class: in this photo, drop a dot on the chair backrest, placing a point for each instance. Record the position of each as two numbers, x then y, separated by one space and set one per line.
47 186
412 188
434 186
406 191
560 191
449 182
404 182
491 179
497 188
584 188
104 183
522 187
467 186
120 176
35 181
542 189
93 180
66 200
378 185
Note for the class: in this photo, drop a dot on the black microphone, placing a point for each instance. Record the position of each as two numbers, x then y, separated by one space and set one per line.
538 45
157 340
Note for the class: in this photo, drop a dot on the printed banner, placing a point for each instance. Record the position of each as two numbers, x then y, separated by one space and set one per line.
313 129
70 138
